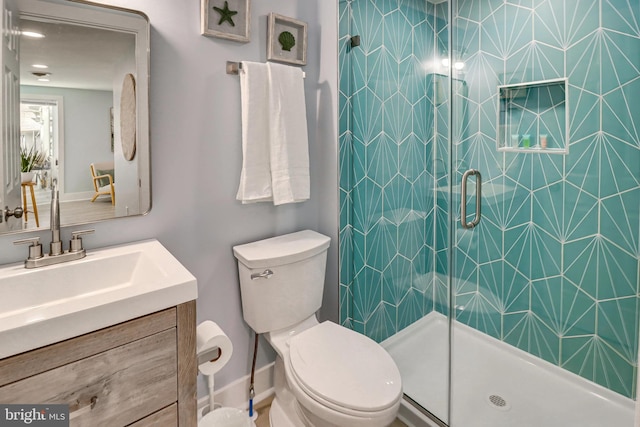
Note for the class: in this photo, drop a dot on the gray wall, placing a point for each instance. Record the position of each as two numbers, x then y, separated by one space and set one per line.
196 159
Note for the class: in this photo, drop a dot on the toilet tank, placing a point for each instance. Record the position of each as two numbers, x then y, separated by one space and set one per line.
292 290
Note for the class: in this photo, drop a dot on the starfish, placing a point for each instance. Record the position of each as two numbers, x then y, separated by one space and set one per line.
226 14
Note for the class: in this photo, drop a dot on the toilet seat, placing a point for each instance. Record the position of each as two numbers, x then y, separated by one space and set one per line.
344 370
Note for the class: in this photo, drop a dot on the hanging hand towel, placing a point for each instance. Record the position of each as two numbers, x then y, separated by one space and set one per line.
255 178
289 144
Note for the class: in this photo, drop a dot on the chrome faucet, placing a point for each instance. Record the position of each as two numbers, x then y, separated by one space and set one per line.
55 248
56 253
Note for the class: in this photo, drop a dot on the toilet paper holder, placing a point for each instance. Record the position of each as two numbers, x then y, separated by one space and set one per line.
210 355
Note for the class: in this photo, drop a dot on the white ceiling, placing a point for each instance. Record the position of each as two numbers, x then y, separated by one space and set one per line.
78 56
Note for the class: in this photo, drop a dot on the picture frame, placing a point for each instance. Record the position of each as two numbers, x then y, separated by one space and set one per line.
226 19
287 40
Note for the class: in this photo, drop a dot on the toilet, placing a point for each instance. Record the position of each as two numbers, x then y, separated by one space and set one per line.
325 374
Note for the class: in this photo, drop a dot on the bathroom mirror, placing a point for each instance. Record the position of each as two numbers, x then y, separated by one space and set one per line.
73 57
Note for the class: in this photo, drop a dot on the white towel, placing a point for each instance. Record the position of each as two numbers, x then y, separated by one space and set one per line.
289 143
275 147
255 178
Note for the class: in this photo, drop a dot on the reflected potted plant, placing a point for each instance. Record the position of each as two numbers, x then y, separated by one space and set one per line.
28 160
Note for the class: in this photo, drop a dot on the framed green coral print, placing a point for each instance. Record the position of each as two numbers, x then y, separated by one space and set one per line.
226 19
287 41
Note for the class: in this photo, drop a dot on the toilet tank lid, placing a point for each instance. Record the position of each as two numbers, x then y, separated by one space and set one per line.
281 250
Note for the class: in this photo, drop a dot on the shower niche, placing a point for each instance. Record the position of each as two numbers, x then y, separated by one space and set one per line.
533 117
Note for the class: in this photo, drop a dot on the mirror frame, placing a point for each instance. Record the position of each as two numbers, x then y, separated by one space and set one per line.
108 17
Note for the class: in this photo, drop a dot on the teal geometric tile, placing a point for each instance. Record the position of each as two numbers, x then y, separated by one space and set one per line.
397 117
593 359
517 247
423 268
422 194
346 256
548 209
411 80
549 23
411 236
367 204
382 323
410 308
580 213
583 164
382 159
397 196
367 293
583 63
381 244
398 35
382 73
622 16
488 241
475 311
517 205
620 115
366 23
618 326
584 114
527 332
600 268
345 304
578 25
346 209
367 115
397 279
346 161
564 308
619 220
620 59
546 254
414 11
547 169
515 290
618 166
358 160
535 62
490 284
413 158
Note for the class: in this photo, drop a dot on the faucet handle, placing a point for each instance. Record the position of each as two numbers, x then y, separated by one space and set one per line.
35 249
75 244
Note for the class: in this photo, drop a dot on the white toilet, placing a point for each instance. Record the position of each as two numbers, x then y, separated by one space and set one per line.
325 374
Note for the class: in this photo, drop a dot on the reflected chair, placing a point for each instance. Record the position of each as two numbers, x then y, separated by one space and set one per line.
103 181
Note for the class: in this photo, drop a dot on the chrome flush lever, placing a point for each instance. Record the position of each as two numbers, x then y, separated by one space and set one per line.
264 275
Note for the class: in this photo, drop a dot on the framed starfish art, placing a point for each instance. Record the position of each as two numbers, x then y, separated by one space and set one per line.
226 19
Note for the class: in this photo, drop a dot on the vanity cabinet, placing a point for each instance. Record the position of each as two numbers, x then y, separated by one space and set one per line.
137 373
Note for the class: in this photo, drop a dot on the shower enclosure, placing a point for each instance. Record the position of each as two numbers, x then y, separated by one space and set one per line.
490 204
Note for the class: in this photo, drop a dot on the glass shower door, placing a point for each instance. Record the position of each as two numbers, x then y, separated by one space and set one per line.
544 289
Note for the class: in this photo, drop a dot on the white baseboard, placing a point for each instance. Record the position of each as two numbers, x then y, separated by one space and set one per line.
236 394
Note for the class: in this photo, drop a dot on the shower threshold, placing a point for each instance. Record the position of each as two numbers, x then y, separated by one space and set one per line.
495 384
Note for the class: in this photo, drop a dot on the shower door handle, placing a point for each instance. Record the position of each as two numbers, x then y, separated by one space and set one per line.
463 201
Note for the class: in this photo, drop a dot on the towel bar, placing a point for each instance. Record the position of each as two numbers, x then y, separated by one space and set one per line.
235 67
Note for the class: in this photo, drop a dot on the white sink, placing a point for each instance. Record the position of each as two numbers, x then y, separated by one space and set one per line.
48 304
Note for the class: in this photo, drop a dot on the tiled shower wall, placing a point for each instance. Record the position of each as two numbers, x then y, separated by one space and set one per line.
553 266
386 164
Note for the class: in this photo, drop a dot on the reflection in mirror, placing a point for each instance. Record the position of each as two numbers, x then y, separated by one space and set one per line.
73 59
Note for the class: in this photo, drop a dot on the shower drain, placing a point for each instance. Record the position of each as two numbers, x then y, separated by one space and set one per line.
498 402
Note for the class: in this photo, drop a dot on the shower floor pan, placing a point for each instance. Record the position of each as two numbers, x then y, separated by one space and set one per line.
495 384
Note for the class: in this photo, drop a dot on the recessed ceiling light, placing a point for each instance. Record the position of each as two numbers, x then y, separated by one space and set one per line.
41 66
32 34
43 79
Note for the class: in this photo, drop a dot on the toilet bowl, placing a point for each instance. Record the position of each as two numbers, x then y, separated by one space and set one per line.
325 374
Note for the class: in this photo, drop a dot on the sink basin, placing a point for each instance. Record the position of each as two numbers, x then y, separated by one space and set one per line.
111 285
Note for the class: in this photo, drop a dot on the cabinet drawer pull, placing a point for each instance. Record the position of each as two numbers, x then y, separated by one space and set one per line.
83 409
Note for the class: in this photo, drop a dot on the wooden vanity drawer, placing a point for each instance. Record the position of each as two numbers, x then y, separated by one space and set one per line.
127 383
